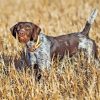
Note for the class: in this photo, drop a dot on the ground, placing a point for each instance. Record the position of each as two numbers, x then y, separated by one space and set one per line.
67 80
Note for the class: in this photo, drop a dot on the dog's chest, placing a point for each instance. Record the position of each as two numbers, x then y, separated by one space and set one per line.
42 54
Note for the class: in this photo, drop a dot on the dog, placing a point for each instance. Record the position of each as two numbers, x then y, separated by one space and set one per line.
41 48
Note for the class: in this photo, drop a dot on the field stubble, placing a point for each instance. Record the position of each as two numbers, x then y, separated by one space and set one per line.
67 80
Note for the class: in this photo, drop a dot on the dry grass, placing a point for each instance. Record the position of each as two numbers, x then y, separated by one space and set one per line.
76 80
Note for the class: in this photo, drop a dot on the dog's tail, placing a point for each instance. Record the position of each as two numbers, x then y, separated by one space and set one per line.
89 22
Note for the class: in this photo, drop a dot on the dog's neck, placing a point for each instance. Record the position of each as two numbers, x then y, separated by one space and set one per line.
44 40
41 42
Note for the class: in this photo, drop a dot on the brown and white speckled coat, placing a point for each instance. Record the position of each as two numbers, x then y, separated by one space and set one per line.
50 47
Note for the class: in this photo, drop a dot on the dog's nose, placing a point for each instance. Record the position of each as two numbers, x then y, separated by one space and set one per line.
21 32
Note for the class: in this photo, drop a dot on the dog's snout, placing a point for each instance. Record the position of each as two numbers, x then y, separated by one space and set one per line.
21 32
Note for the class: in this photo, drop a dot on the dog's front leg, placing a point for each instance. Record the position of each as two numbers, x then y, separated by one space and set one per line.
35 70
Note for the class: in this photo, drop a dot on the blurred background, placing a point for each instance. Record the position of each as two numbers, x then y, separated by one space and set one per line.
67 80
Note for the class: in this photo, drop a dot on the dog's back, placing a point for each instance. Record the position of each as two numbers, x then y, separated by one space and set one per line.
72 42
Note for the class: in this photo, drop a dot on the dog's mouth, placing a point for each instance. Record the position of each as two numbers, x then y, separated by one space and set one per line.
23 38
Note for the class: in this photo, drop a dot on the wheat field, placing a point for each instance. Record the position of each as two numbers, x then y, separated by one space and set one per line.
74 79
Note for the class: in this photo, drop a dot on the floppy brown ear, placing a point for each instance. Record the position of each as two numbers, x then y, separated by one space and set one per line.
13 30
35 33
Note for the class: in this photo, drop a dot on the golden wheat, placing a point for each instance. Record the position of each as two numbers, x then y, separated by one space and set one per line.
67 80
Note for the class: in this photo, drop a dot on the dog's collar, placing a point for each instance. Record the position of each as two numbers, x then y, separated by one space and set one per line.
35 46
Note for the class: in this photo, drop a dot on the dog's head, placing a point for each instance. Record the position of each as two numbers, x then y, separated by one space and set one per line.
25 31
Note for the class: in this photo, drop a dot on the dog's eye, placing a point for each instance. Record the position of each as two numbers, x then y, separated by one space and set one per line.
18 28
27 27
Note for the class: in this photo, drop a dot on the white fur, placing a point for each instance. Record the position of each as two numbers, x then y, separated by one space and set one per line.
86 44
92 16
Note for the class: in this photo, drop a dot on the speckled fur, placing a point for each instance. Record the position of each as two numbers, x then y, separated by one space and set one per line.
41 55
87 45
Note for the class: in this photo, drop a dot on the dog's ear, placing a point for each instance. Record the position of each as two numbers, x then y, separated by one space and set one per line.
35 33
13 30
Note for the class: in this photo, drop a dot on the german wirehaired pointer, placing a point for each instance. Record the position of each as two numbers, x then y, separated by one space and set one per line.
40 48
